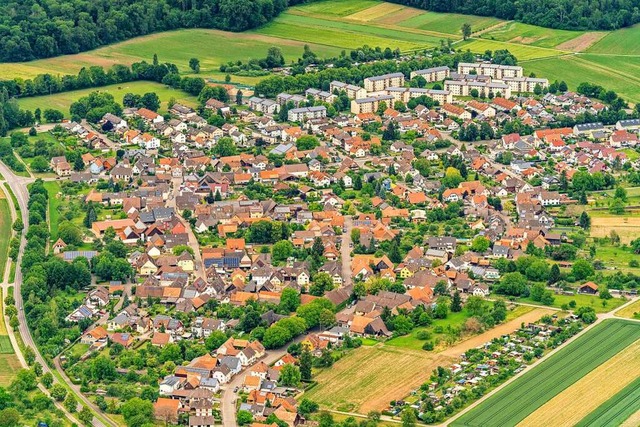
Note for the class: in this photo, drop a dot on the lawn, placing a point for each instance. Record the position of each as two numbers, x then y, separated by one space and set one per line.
450 23
517 32
617 409
411 340
53 188
517 400
62 101
5 232
582 300
368 378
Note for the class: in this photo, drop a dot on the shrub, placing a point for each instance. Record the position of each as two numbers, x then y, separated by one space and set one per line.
428 346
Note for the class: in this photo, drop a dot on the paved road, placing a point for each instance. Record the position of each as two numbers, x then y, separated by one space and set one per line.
228 399
19 187
345 251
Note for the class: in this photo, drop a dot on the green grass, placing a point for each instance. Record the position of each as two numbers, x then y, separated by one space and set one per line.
13 196
581 301
450 23
517 32
53 188
411 340
9 365
344 35
62 101
617 409
5 345
625 41
78 349
522 52
335 8
5 234
522 397
617 257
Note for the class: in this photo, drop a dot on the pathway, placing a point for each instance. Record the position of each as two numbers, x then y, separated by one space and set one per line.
345 251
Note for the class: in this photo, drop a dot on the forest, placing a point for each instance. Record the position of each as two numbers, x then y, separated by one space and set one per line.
31 29
564 14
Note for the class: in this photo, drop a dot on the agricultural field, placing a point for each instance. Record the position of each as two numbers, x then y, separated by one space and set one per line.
516 32
449 23
363 381
521 51
9 363
617 410
630 311
625 41
62 101
591 391
553 376
627 227
5 232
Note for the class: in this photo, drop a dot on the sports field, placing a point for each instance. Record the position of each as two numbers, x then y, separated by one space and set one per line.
522 397
616 410
62 101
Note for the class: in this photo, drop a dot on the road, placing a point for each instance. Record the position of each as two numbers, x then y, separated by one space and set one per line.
228 399
345 251
19 187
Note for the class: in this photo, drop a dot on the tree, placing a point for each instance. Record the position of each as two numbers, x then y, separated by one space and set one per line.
58 392
194 64
585 220
440 288
224 147
9 417
499 312
244 417
554 274
466 30
39 164
289 300
514 284
480 244
306 363
85 416
307 142
456 303
274 58
137 412
442 308
282 250
71 403
581 269
307 407
215 340
239 95
150 101
47 380
408 417
289 375
53 116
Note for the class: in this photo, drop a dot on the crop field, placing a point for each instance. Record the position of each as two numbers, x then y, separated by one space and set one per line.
617 409
513 403
450 23
62 101
630 311
625 41
627 227
516 32
591 391
5 232
521 51
368 378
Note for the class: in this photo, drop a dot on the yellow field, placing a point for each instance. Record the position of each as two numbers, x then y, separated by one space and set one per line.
375 12
629 310
584 396
370 377
628 228
632 421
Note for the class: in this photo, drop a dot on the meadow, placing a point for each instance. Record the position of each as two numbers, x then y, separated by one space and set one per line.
5 232
530 35
630 311
514 402
62 101
615 410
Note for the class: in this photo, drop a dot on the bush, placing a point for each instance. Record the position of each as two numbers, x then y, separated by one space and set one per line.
428 346
424 335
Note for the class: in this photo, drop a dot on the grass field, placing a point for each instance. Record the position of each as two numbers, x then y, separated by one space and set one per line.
628 228
516 32
9 365
591 391
617 409
5 232
53 188
450 23
518 399
62 101
582 301
368 378
521 51
630 311
622 42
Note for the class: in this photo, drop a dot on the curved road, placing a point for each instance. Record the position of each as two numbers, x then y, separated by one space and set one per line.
18 186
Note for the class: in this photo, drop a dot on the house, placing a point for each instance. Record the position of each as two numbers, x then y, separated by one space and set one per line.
166 409
149 116
588 288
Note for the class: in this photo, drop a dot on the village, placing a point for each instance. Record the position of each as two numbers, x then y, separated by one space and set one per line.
292 224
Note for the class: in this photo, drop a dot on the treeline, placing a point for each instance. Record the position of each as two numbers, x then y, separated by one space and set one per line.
32 29
564 14
95 76
272 86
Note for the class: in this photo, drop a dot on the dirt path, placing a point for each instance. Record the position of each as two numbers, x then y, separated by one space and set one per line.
583 42
589 392
503 329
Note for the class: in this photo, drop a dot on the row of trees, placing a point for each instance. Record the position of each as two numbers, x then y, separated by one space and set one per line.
30 30
565 14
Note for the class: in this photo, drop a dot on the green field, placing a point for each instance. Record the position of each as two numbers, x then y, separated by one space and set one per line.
621 42
581 300
517 32
5 233
521 51
336 8
62 101
5 345
617 409
53 188
522 397
450 23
